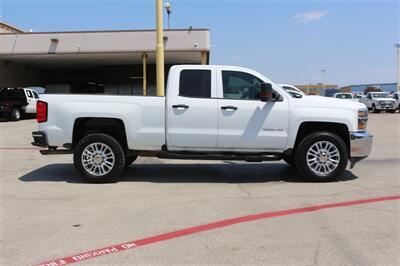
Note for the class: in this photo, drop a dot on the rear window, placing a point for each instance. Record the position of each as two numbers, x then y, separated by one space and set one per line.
195 83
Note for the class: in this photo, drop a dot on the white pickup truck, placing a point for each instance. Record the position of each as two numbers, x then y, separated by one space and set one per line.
209 112
344 96
379 101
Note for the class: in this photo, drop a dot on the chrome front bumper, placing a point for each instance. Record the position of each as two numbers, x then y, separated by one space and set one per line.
360 146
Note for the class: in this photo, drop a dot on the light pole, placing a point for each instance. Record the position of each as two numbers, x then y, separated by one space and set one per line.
323 77
160 48
397 46
167 7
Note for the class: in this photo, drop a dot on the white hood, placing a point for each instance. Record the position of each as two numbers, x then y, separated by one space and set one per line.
327 102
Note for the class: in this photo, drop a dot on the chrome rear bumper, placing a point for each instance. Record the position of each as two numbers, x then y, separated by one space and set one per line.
360 146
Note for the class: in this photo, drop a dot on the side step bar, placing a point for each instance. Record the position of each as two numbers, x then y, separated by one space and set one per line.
221 157
55 152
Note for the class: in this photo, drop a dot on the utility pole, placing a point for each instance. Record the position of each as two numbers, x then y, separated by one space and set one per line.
397 46
323 77
160 48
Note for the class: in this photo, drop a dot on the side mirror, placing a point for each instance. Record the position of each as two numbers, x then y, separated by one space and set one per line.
266 92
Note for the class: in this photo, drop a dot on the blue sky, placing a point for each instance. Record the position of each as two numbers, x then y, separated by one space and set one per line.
288 41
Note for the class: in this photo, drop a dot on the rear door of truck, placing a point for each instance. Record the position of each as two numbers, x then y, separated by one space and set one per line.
192 119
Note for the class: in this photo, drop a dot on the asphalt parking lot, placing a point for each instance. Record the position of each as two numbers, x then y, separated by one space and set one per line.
48 213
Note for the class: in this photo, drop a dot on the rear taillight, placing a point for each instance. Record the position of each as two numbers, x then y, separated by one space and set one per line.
41 111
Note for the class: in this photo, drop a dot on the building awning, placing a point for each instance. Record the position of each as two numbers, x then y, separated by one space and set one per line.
90 48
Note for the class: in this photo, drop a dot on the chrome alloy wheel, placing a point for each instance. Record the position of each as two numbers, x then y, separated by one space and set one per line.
323 158
98 159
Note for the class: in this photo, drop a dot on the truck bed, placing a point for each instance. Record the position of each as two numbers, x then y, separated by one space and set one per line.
143 117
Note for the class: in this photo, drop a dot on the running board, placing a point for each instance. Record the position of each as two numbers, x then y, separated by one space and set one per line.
220 157
56 152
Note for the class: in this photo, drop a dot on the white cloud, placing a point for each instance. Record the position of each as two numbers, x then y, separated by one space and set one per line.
311 16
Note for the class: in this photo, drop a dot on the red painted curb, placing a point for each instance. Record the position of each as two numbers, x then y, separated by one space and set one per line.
192 230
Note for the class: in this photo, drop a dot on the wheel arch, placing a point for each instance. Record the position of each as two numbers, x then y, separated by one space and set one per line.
113 127
307 128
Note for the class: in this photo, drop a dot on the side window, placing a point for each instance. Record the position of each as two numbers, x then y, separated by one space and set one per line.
369 96
29 94
240 85
35 95
195 83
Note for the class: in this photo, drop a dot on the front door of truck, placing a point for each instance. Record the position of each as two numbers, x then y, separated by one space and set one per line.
192 122
246 123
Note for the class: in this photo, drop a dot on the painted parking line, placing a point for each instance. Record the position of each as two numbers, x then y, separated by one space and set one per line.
205 227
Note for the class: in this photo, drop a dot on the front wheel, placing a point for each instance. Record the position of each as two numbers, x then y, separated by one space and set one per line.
374 110
321 156
99 158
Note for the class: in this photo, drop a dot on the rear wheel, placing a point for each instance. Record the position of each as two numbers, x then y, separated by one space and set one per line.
16 114
99 158
321 156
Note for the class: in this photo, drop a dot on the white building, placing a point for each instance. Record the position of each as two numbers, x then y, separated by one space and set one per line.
111 62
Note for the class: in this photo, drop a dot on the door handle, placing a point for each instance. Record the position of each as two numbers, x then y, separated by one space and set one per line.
229 107
180 106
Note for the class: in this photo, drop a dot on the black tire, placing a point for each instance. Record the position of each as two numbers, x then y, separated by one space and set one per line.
16 114
289 159
113 172
303 148
130 159
374 110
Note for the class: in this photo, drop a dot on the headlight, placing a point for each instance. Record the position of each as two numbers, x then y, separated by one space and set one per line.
382 102
362 120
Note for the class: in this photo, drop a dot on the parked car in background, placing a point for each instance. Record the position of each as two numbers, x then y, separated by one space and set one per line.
379 101
15 102
292 90
396 97
209 113
345 96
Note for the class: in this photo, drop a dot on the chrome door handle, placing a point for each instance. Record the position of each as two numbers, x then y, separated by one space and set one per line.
229 107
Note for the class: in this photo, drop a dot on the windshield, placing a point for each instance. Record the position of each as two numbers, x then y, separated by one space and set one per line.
380 95
344 96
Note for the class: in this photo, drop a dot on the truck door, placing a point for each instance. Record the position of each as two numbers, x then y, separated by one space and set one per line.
31 107
246 123
192 121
